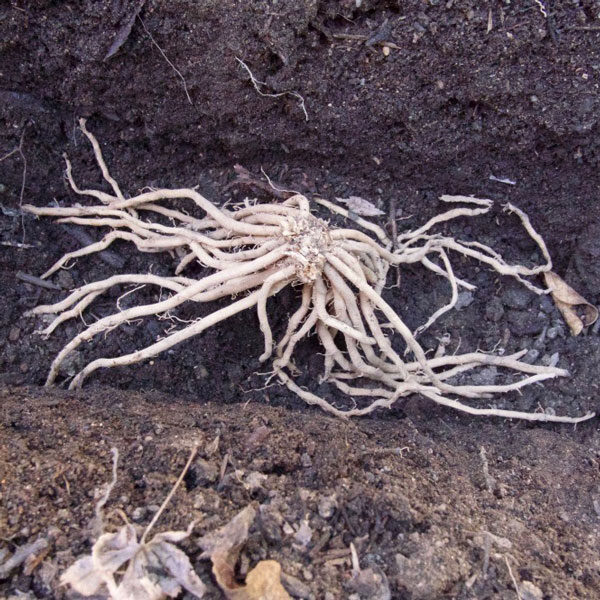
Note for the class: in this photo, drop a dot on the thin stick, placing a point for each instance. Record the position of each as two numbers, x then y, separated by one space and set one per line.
17 245
33 280
109 488
170 495
19 150
167 59
513 578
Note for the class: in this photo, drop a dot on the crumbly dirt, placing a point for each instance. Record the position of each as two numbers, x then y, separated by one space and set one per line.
467 91
438 502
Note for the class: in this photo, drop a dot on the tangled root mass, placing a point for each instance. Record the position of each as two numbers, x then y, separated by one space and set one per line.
255 250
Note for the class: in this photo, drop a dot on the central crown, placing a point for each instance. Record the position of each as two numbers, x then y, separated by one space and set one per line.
309 239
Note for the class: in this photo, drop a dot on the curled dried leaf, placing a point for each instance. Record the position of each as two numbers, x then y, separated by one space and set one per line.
223 547
576 310
360 206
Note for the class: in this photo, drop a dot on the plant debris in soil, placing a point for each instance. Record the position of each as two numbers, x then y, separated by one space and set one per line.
434 505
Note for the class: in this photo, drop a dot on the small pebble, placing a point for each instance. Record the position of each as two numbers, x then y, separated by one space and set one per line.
494 310
13 334
138 514
552 361
546 304
530 591
485 376
517 297
255 480
552 333
327 506
65 280
304 534
525 323
201 371
295 587
63 514
206 472
531 356
464 299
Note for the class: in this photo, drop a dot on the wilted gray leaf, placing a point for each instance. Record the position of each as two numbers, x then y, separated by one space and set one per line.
361 207
176 567
113 549
83 577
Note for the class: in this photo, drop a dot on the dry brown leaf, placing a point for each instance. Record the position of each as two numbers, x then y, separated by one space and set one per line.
567 300
223 547
262 583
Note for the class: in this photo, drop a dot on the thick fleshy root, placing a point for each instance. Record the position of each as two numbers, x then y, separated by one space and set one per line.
256 250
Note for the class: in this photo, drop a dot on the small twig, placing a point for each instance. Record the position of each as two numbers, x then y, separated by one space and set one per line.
16 245
33 280
487 545
19 150
354 558
223 469
393 223
350 36
398 451
585 28
21 555
256 83
394 227
363 38
245 177
489 480
98 520
167 59
274 187
513 578
112 259
170 495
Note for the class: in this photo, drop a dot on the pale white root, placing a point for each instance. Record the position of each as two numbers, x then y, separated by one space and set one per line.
255 250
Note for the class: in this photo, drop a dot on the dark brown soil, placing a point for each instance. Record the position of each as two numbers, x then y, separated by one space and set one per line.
468 90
